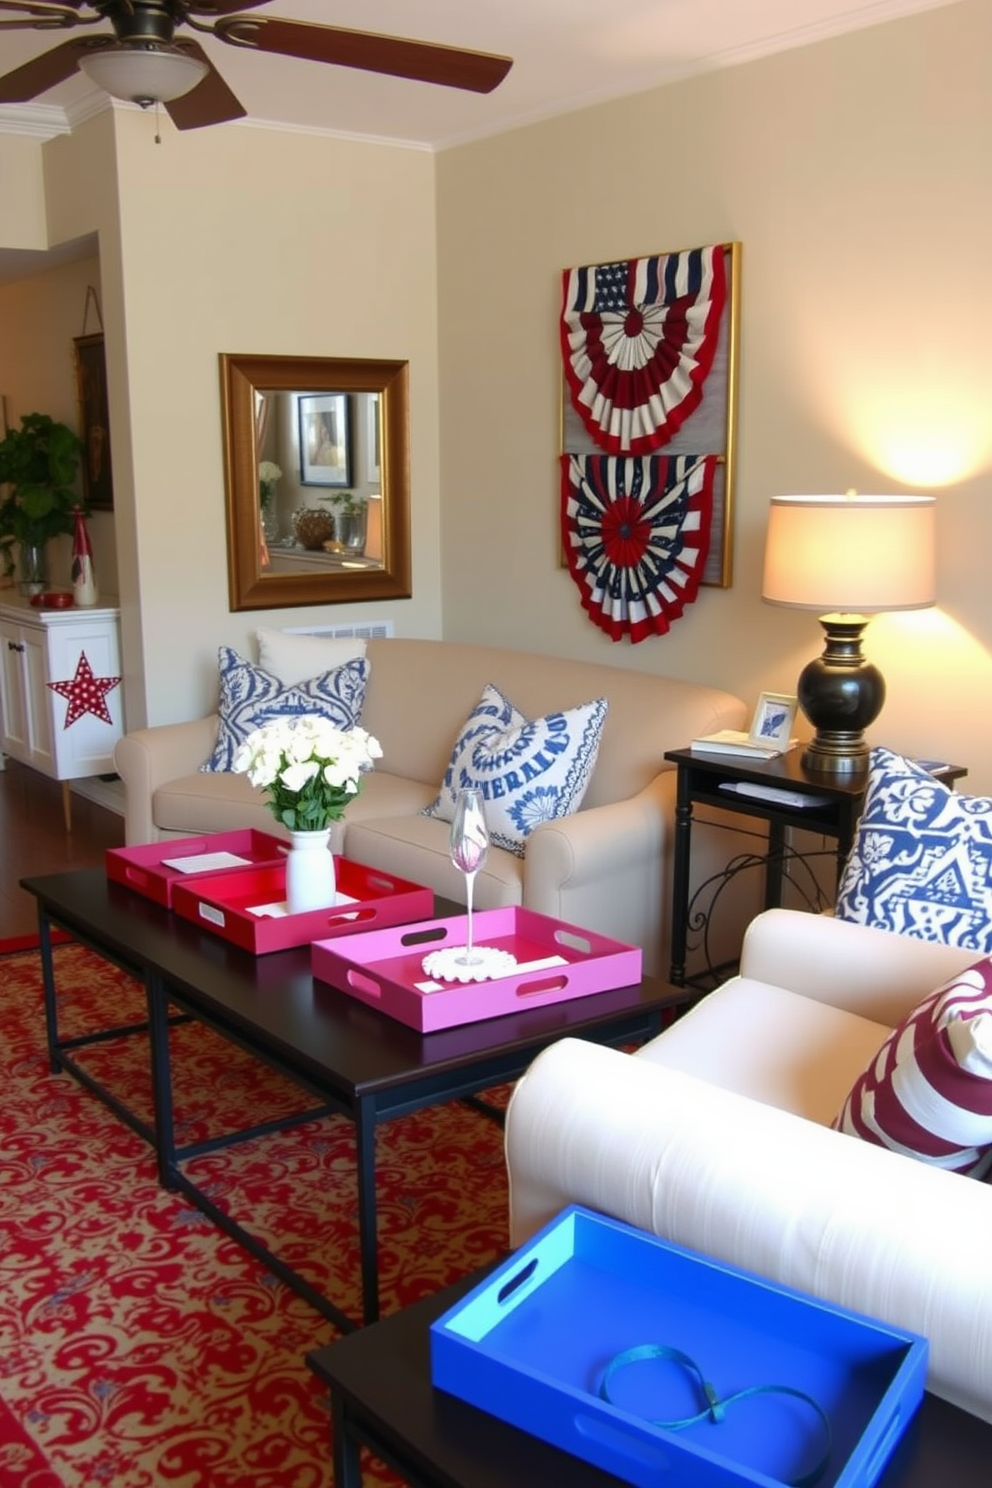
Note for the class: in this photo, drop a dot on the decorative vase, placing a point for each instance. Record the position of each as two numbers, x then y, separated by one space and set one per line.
84 591
270 523
310 879
313 527
32 568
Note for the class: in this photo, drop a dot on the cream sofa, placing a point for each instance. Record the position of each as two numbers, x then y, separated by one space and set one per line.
716 1135
606 867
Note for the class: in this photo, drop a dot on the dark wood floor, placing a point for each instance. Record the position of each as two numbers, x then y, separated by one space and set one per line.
33 840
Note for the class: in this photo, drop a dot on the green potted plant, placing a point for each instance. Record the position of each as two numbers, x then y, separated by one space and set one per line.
350 516
39 463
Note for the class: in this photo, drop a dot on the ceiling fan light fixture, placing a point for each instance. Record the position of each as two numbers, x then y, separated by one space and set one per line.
144 72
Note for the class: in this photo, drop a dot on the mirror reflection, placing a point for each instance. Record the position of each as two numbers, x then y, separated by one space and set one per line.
316 460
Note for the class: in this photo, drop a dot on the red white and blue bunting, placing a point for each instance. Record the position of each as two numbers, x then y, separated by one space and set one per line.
636 534
638 340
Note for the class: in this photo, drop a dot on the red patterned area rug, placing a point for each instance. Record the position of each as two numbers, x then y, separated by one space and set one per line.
141 1347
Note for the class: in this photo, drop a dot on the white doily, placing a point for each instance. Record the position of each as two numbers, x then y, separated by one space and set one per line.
487 962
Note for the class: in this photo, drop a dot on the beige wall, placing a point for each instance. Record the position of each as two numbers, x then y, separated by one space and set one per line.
855 173
245 240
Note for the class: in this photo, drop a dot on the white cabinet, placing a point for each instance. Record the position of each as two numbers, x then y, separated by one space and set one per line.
42 646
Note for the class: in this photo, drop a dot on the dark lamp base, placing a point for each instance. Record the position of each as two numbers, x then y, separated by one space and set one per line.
841 694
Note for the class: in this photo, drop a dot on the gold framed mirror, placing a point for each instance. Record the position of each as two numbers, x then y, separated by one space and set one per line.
317 478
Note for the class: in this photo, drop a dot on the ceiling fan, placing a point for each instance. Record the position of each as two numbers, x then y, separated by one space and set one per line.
143 61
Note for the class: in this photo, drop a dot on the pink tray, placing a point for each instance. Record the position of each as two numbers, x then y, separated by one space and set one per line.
144 870
383 967
223 903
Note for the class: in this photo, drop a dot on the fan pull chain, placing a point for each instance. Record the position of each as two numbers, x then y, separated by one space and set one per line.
158 136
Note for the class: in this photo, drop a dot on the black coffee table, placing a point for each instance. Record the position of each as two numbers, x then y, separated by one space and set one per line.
356 1061
382 1398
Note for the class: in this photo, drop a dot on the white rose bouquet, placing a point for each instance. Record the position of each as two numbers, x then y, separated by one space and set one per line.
268 473
309 768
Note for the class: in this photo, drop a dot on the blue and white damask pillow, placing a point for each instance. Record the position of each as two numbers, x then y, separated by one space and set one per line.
921 863
529 772
251 697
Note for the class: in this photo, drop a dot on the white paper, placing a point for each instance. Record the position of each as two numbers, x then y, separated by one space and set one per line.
203 862
280 910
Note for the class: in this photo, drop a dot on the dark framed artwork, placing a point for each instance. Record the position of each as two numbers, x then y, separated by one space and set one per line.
94 421
649 355
325 439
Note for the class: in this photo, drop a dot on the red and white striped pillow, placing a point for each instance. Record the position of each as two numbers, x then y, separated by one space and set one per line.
928 1091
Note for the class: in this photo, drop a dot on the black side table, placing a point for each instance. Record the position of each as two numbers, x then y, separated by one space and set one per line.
382 1398
816 803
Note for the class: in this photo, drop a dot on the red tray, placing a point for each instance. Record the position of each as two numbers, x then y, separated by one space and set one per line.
371 898
146 869
383 968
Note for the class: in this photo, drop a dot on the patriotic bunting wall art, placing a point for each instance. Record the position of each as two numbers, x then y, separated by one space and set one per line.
637 534
649 371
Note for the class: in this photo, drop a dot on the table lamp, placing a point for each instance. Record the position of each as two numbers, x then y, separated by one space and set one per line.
851 556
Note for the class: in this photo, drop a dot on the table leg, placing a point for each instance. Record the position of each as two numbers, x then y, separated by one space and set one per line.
161 1070
368 1242
48 983
773 865
347 1456
680 884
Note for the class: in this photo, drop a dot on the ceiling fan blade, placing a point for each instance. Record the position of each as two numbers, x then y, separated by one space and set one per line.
478 72
210 102
44 15
209 7
46 71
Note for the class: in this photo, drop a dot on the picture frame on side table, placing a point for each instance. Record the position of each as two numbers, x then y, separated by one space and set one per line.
773 719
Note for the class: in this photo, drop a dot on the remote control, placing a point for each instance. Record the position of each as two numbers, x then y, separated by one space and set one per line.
774 793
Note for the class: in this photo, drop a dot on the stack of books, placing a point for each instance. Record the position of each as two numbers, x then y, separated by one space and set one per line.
735 741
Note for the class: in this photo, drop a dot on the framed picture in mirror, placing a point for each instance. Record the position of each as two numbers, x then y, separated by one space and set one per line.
325 439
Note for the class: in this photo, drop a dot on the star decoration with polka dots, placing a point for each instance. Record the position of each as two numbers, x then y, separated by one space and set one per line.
85 693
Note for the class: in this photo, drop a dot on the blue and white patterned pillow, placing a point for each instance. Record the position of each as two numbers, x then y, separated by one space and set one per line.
250 697
528 772
921 863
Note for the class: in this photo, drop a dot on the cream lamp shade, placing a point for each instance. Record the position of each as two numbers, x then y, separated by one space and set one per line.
847 557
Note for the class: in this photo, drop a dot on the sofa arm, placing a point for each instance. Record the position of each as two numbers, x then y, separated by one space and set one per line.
762 1189
148 758
606 868
871 972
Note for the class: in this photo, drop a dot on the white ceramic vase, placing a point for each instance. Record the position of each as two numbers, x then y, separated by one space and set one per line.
310 878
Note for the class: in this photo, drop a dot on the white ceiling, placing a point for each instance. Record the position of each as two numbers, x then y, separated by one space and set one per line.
567 54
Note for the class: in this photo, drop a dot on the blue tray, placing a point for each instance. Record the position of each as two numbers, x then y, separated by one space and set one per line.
532 1343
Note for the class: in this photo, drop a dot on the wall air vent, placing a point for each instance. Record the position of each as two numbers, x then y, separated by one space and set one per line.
371 630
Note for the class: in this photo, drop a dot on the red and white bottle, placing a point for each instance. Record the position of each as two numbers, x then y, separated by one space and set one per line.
84 590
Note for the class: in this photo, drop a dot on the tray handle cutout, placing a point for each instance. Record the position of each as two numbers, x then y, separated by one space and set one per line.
880 1456
573 942
548 984
213 914
136 876
524 1274
363 983
384 885
424 936
616 1439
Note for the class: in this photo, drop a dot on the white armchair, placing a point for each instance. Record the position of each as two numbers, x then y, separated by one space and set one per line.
716 1135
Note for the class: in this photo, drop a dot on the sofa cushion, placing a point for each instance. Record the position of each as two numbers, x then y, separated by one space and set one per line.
528 771
772 1045
251 697
296 658
927 1093
921 862
416 848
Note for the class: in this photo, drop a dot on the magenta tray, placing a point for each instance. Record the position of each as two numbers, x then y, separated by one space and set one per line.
149 869
556 962
368 898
